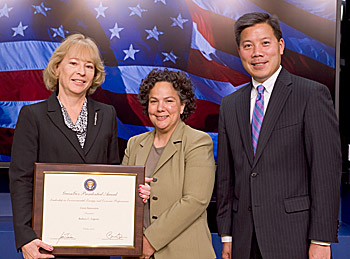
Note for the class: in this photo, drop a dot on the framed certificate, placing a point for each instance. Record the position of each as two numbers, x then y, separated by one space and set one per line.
89 210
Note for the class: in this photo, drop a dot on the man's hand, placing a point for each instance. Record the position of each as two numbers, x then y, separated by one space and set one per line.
31 250
226 250
148 249
319 251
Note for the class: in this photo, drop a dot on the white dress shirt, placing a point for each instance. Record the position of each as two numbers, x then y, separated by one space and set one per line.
268 84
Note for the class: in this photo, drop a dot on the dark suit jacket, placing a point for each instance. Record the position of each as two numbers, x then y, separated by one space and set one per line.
289 192
42 136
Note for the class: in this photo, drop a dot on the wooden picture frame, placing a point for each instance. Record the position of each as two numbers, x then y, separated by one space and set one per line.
86 199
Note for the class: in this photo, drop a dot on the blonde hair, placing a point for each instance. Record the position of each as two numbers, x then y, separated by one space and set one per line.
83 43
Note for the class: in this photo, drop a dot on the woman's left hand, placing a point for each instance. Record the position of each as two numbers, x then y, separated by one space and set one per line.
148 249
145 189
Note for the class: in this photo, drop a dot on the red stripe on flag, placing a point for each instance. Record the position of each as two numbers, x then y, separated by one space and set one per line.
309 68
205 117
202 67
129 110
216 29
25 85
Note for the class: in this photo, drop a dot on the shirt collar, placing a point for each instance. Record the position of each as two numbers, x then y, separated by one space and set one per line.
270 82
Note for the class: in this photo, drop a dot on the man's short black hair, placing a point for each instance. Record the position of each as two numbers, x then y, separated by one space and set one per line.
251 19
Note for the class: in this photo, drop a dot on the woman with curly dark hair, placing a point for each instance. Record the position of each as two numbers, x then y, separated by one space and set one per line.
181 159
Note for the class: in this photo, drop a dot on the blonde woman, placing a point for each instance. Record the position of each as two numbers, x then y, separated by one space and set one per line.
69 127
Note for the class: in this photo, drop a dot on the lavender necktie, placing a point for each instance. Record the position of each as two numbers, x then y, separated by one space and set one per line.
258 116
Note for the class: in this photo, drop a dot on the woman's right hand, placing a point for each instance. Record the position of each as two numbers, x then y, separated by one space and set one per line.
31 250
145 189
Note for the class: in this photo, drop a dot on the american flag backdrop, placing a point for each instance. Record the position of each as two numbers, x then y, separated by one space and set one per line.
135 36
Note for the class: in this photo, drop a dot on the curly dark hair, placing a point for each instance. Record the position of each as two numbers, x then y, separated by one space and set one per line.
181 83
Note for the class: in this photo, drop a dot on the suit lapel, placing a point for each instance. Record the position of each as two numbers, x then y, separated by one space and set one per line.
170 148
95 119
278 98
243 116
146 144
55 114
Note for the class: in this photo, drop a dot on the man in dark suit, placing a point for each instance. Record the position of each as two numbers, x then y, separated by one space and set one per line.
279 158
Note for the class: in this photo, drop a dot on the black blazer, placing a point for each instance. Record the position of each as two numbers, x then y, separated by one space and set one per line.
42 136
289 192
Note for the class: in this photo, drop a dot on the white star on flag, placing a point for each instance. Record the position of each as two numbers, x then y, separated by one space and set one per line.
130 53
41 9
170 57
137 10
154 33
5 11
19 29
100 10
162 1
179 21
115 31
59 32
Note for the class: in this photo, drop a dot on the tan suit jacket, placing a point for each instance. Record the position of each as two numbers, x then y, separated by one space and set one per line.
179 198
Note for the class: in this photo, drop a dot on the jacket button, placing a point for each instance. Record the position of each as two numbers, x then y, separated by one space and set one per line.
154 217
250 208
253 174
155 198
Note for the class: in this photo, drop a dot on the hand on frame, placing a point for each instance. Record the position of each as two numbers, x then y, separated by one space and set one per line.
148 249
31 250
319 251
226 250
145 189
